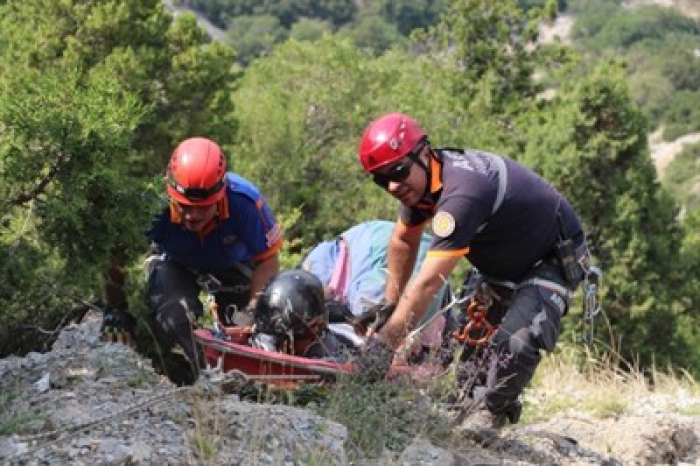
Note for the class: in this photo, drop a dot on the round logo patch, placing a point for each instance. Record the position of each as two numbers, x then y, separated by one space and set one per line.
443 224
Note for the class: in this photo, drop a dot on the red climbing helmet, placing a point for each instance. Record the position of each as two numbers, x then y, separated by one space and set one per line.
197 172
389 138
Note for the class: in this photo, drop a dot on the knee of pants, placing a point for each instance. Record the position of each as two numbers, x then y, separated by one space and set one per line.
169 318
174 319
521 347
532 323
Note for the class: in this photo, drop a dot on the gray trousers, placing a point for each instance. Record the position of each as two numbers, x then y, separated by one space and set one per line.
173 296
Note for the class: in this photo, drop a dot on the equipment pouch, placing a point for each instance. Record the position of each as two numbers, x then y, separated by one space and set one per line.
566 255
570 267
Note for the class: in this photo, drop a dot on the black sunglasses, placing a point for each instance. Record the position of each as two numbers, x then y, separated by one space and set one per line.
197 194
398 174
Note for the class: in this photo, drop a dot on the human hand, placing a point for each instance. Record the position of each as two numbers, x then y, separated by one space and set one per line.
374 318
374 360
117 327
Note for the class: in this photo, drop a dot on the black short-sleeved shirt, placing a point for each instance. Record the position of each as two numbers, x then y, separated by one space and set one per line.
504 244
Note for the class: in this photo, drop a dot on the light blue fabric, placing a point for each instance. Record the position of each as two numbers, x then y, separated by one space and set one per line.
367 246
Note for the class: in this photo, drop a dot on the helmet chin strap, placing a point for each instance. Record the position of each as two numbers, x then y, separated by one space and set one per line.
426 168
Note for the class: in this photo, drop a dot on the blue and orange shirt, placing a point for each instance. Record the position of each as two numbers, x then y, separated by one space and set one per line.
504 243
245 231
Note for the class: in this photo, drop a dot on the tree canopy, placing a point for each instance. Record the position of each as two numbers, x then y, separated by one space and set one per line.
93 97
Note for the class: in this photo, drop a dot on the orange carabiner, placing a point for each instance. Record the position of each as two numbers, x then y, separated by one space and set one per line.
477 322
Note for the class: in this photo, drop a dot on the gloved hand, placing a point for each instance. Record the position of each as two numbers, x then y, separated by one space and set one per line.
374 361
339 313
374 318
117 327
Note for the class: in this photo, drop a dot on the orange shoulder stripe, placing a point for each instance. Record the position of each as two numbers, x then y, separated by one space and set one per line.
455 253
270 252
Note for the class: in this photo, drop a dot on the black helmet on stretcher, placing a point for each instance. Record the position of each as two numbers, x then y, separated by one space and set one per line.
291 303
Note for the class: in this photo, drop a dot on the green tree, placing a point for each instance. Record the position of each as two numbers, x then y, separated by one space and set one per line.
530 4
288 12
372 32
681 115
301 110
253 36
309 29
591 144
408 15
93 96
619 28
682 178
492 44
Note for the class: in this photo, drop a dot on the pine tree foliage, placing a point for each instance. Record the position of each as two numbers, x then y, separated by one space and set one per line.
93 96
591 144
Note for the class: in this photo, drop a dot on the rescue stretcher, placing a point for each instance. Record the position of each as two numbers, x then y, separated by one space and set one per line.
232 354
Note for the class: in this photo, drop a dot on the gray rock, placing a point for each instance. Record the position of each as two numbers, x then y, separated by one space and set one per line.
105 405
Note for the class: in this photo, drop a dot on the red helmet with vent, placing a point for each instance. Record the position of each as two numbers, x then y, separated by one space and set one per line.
387 139
197 173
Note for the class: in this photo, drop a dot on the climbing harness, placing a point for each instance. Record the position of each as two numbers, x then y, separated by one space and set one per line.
477 330
477 322
211 285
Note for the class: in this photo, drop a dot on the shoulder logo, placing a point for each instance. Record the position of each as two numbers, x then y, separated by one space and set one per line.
443 224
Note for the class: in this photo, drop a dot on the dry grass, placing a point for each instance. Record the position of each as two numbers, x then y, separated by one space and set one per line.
568 380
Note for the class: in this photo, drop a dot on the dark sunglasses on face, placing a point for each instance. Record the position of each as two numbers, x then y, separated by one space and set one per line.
397 174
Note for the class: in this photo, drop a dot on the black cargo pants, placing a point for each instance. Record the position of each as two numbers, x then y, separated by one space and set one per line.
173 297
531 322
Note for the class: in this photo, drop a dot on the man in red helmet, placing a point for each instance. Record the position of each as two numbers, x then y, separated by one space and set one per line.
522 235
216 224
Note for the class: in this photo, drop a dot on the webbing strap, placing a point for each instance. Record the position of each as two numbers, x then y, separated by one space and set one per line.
536 281
549 284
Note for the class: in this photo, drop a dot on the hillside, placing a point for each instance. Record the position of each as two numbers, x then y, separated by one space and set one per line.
688 7
661 151
213 31
87 403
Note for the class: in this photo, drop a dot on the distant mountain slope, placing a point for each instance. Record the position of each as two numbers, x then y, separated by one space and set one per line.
213 31
688 7
663 152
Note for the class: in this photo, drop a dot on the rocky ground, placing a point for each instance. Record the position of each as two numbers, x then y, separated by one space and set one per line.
93 403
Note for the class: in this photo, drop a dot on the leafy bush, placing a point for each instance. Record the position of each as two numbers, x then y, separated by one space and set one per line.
619 29
682 115
682 178
383 416
221 12
253 36
372 32
93 98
